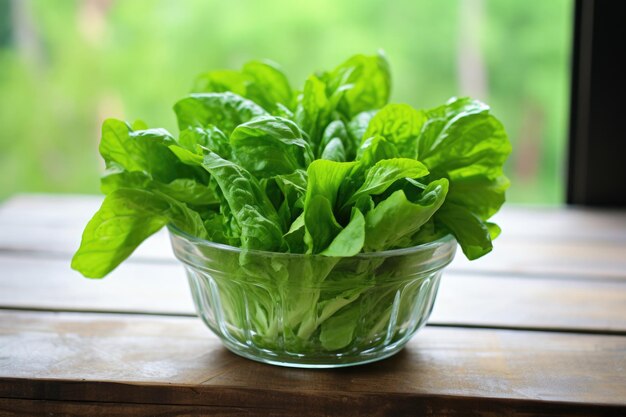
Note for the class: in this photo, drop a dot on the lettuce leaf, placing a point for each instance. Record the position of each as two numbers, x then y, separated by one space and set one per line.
127 217
463 142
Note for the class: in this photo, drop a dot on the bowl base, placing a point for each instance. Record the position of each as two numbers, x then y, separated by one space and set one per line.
294 361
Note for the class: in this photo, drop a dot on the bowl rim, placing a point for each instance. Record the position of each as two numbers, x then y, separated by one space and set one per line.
447 239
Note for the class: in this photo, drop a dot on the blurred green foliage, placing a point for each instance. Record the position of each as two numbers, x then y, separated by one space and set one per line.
67 65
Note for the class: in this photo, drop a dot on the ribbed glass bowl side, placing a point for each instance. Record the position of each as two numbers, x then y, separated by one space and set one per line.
313 311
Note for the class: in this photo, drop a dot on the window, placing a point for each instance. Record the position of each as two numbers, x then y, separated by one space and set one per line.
597 172
66 66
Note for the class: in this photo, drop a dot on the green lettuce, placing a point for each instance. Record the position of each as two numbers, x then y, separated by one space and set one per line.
328 171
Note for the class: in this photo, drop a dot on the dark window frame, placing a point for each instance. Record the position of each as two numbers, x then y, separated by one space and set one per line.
597 140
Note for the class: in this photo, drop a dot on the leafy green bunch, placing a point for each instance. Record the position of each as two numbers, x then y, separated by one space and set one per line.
330 169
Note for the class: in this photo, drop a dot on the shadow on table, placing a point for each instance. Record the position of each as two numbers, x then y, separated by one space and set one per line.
239 371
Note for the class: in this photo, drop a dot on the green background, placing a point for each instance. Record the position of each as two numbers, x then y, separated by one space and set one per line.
67 65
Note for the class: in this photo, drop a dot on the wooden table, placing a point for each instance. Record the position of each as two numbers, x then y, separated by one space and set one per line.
538 327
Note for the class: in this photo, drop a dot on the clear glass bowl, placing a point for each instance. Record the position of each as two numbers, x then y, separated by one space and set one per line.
312 311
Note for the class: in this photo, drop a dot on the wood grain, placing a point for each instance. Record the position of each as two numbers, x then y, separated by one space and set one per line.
568 260
555 270
296 403
65 356
523 222
36 283
537 303
568 243
463 299
563 259
29 408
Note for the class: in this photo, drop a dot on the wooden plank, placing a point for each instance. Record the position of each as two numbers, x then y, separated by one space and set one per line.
519 222
49 210
62 242
53 224
189 366
463 299
566 243
28 408
559 259
295 403
569 260
563 223
541 303
50 284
